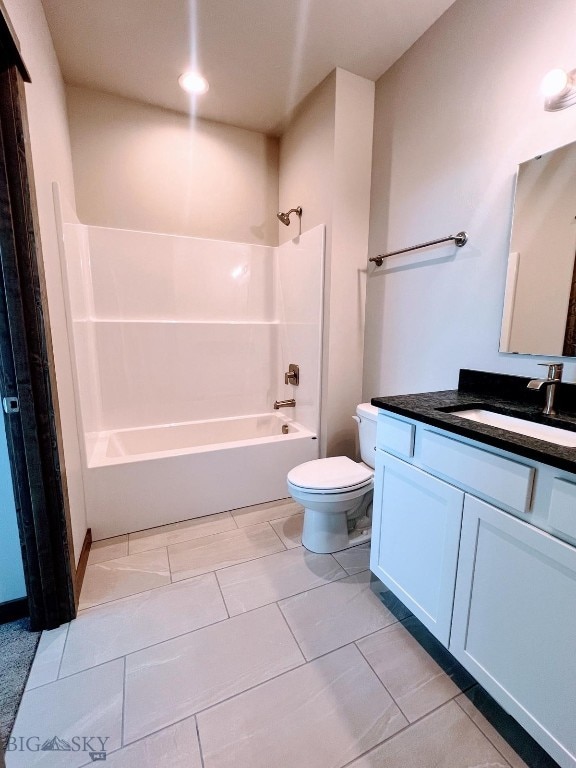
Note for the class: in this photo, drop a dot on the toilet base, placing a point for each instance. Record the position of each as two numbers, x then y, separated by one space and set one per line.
326 533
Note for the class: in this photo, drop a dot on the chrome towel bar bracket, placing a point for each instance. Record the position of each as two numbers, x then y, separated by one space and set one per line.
460 239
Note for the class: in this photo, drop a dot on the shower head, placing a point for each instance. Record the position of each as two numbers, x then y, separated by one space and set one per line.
285 217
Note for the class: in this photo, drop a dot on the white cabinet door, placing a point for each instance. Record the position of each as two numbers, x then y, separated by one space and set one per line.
416 531
514 623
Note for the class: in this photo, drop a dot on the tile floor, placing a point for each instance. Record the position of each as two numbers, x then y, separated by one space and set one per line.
221 642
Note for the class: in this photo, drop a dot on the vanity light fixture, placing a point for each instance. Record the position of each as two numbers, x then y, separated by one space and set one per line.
559 89
193 82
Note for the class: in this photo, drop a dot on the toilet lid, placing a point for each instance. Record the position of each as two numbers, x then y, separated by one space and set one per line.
330 474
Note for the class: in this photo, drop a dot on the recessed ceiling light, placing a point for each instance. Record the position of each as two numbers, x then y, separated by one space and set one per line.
194 83
554 82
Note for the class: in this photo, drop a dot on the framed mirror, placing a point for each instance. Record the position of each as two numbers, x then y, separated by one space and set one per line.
539 315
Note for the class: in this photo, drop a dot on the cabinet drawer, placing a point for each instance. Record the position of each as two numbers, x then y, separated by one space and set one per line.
506 481
395 436
562 513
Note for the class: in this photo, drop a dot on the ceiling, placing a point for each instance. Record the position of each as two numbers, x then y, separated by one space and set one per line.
261 57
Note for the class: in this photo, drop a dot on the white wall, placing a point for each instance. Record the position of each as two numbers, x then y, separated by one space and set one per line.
350 220
454 117
140 167
12 584
52 162
306 166
325 166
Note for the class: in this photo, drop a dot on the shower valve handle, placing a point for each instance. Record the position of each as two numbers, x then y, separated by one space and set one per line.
293 375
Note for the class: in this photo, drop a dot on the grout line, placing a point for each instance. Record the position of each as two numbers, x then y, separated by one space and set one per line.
109 559
210 570
205 626
291 632
137 650
388 691
179 581
286 597
199 741
63 651
123 702
402 730
222 594
219 621
193 538
185 541
138 592
240 562
275 677
486 736
222 701
139 739
275 534
348 642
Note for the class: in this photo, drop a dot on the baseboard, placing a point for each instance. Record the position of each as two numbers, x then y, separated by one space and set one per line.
82 563
13 610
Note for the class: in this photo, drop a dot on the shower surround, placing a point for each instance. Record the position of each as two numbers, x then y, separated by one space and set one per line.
180 346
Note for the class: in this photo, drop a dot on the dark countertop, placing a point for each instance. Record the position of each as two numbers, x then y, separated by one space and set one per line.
500 393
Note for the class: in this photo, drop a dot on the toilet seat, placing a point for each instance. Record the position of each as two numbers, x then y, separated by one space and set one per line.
338 474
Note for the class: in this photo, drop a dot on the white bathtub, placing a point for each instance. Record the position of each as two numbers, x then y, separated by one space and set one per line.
151 476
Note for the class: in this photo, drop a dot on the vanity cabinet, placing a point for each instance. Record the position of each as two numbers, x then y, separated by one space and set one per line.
514 622
417 553
480 545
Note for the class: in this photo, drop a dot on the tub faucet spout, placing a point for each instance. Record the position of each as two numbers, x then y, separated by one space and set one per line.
284 404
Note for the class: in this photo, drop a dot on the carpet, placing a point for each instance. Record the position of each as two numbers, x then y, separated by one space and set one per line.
17 648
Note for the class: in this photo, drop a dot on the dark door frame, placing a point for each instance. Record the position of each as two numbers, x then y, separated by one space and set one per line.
27 366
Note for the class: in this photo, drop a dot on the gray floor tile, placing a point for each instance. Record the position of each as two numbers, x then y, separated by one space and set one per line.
180 677
354 559
108 549
173 747
191 558
48 657
290 529
125 576
321 715
88 704
153 538
272 578
499 742
447 738
328 617
261 513
124 626
416 682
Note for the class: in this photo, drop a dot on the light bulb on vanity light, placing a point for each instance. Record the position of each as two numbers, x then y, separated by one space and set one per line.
559 90
193 82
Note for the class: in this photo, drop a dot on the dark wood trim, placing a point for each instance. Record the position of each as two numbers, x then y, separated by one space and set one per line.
10 46
82 563
27 369
13 610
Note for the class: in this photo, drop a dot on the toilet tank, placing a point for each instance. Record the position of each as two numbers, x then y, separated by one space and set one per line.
366 416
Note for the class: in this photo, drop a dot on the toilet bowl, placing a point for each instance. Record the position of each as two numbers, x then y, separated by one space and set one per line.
336 493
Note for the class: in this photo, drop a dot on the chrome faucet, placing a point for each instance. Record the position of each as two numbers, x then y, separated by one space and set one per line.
284 404
554 378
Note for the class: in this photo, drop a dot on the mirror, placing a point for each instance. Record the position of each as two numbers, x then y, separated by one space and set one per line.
540 301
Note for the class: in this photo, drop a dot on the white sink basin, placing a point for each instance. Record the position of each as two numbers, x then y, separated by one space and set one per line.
521 426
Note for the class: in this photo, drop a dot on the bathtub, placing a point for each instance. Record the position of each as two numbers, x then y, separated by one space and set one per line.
150 476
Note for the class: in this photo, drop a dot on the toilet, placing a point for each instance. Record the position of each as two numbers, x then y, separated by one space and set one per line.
336 493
